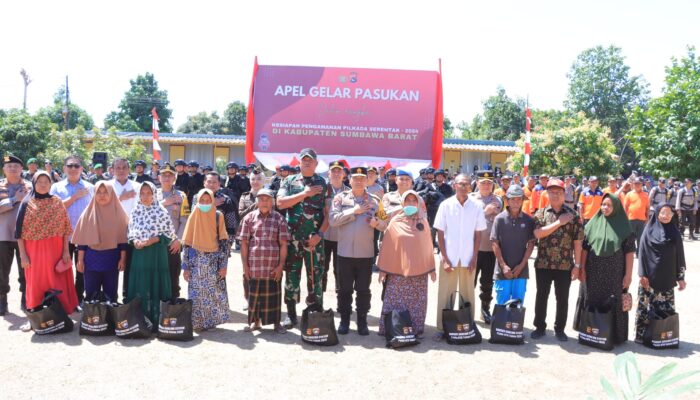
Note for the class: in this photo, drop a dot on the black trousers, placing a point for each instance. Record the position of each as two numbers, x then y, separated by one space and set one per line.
354 275
485 264
562 283
330 248
175 263
127 268
687 220
8 252
79 279
697 222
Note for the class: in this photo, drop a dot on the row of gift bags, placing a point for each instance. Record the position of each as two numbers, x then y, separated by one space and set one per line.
105 318
506 325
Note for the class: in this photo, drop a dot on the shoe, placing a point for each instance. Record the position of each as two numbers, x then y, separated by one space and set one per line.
3 305
344 326
78 309
362 328
291 319
536 334
27 327
486 316
561 336
438 337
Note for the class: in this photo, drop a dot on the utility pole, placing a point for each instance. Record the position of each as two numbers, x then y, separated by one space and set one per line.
66 110
27 81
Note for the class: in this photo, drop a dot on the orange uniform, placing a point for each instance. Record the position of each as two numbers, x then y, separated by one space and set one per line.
637 205
591 201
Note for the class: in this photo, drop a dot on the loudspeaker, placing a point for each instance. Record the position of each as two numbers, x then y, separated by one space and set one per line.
99 157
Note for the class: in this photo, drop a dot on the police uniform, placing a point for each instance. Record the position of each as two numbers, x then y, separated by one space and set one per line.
388 185
658 197
686 204
196 182
304 219
182 180
330 238
355 252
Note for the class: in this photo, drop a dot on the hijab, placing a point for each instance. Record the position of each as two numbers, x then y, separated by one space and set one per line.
150 221
102 227
35 207
406 249
200 231
661 253
606 234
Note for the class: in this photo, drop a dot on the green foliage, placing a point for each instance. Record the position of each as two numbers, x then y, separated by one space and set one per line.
22 134
116 148
234 119
220 165
447 128
657 386
504 118
667 133
135 107
62 144
203 123
76 116
566 143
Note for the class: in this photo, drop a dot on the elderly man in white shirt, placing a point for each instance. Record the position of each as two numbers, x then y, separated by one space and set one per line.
458 221
128 193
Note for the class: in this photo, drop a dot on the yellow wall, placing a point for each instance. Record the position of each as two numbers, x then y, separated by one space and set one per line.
221 153
452 160
176 152
499 160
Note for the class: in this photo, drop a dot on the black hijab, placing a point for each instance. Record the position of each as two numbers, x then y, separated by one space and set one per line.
661 255
33 195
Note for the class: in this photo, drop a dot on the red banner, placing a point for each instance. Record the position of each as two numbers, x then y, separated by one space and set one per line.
365 116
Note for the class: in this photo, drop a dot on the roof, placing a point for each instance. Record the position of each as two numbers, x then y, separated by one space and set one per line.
495 146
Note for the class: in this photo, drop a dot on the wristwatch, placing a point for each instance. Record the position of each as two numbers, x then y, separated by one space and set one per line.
577 266
319 233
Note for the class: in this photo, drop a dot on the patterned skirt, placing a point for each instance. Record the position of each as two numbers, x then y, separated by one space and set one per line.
206 290
406 293
650 299
264 301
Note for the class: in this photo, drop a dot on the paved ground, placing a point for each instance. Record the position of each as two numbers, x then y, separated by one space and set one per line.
227 362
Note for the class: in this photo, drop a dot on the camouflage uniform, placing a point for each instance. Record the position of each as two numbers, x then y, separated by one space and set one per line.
304 219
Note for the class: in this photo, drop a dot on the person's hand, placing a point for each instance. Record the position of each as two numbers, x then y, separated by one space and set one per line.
382 276
219 201
222 273
582 275
80 193
518 270
358 209
66 257
373 222
121 265
80 266
446 264
138 244
169 201
575 273
314 240
565 218
681 285
433 276
472 263
311 191
644 282
127 195
492 208
626 281
506 271
175 246
277 272
21 194
186 275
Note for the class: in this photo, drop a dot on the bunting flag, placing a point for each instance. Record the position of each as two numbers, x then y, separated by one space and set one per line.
156 145
528 149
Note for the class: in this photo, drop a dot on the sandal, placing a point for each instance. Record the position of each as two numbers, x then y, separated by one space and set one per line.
249 328
26 327
280 329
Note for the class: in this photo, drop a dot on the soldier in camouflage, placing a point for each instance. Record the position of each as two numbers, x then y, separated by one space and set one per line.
304 196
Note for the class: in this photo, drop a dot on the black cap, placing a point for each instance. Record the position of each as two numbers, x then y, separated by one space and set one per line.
193 163
662 180
336 164
430 170
208 168
231 165
12 159
155 162
441 172
286 167
391 172
361 171
252 166
140 162
243 168
485 175
507 176
307 152
180 161
422 171
167 169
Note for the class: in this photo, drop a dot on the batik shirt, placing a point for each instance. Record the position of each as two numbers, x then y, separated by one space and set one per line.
556 251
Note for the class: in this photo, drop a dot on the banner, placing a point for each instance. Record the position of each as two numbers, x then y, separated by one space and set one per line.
364 116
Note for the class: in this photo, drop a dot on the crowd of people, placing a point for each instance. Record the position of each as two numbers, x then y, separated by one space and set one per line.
155 225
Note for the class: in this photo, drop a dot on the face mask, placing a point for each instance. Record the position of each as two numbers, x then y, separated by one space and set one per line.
410 210
204 207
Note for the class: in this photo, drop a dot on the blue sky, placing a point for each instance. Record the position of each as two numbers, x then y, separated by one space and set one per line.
202 51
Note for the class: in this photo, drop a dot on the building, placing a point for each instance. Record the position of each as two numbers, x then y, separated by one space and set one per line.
206 148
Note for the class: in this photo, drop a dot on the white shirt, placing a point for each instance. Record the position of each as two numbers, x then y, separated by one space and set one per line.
128 205
459 222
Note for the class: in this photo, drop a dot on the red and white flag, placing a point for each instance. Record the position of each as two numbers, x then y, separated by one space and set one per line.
528 149
156 145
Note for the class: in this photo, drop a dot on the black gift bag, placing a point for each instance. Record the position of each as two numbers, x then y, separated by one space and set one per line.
596 327
507 323
458 325
318 326
580 305
398 329
175 321
50 317
129 321
96 320
662 331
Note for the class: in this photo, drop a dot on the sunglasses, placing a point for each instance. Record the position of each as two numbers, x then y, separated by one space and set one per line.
74 166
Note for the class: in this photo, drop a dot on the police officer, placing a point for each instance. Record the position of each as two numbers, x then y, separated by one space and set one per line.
390 182
244 184
140 176
391 202
658 196
441 184
233 180
175 202
196 179
304 197
372 185
98 175
182 181
285 169
330 239
32 168
356 213
687 207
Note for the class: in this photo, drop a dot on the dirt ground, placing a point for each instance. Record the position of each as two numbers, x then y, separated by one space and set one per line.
228 363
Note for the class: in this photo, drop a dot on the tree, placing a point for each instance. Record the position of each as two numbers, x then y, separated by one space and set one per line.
135 107
504 118
76 116
64 143
203 123
234 119
447 127
667 133
22 134
601 86
567 143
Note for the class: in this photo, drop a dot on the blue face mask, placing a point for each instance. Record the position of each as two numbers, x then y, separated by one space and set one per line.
204 207
410 210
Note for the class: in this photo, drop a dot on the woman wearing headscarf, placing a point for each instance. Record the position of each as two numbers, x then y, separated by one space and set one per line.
204 261
151 231
607 260
100 235
405 261
661 267
43 232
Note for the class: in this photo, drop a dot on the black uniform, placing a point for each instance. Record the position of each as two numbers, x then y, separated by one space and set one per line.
182 183
196 183
142 178
390 186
